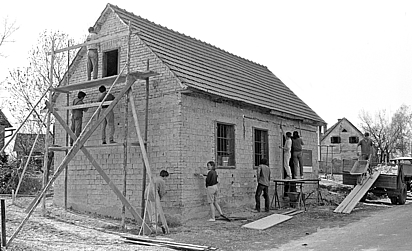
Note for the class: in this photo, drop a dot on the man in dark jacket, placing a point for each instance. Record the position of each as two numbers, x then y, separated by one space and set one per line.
109 118
77 115
263 179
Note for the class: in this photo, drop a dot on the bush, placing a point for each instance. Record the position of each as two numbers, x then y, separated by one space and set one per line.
10 174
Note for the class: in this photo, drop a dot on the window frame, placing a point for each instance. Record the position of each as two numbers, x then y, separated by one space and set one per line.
337 137
232 152
354 142
266 151
104 61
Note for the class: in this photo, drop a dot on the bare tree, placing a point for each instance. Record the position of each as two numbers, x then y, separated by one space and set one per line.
27 84
6 32
401 122
390 136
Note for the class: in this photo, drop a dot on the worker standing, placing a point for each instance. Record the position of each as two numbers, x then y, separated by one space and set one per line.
366 147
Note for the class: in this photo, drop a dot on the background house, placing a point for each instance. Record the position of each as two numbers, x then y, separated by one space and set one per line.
339 145
206 104
4 126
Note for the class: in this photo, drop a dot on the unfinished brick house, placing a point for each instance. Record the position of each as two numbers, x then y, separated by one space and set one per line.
205 104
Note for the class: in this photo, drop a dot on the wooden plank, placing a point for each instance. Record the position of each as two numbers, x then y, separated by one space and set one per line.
365 188
349 203
268 221
162 215
64 148
295 213
99 40
104 81
152 240
86 105
387 181
90 84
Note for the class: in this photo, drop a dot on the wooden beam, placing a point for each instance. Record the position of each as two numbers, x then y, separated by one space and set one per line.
99 40
64 148
87 105
103 81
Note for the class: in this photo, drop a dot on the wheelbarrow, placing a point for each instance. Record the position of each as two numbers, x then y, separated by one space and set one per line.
361 170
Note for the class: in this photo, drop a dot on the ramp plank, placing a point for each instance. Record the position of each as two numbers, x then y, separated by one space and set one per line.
349 203
268 221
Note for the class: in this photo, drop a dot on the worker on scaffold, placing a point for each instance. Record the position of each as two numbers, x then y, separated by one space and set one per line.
92 55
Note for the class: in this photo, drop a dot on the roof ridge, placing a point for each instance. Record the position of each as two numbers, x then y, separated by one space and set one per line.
193 38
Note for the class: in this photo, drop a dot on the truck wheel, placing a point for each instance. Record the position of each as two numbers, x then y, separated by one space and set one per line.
394 200
403 195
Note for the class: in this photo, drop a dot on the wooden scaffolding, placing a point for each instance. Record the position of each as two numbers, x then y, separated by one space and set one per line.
125 81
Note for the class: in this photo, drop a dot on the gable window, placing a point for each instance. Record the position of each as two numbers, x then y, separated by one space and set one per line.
225 145
344 130
353 140
335 140
261 146
110 63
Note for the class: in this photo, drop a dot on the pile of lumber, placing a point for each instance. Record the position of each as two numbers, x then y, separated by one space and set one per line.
147 241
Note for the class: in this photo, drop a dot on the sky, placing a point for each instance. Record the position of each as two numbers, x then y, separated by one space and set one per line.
339 57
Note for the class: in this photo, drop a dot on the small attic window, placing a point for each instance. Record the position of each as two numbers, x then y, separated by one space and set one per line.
110 63
335 140
344 130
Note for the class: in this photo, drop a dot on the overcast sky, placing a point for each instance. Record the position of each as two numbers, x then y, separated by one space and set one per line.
339 57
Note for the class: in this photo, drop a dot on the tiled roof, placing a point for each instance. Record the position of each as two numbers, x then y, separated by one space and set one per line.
338 123
3 120
207 68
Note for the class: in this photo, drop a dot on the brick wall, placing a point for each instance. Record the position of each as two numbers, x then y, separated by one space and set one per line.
87 191
237 186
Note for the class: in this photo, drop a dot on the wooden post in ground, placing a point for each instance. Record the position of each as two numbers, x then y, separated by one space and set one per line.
46 136
126 132
3 223
146 124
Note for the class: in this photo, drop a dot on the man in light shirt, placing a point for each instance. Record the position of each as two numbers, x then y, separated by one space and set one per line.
92 55
287 155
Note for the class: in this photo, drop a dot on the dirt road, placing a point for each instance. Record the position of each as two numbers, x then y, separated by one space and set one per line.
66 230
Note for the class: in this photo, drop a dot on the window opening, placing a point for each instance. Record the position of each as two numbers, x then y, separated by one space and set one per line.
335 140
225 136
353 140
261 146
110 63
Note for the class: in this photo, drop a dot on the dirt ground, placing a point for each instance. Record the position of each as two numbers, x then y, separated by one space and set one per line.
67 230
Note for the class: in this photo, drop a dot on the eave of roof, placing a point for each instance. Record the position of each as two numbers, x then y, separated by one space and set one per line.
4 121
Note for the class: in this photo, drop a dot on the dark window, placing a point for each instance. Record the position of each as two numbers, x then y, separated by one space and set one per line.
344 130
335 140
110 63
261 146
225 148
354 140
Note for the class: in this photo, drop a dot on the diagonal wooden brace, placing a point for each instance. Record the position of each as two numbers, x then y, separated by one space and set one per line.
78 144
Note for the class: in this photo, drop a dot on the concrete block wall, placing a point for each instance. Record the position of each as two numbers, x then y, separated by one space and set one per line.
87 191
237 185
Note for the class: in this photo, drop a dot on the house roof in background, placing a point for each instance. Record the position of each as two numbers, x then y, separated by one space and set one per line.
4 121
25 141
338 123
204 67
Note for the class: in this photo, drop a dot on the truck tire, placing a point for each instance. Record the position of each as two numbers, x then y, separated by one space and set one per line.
402 195
394 200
